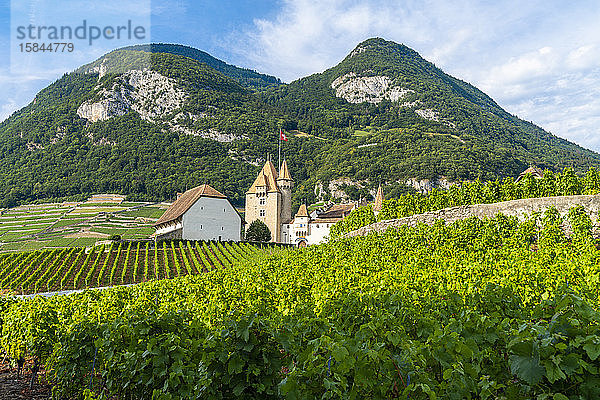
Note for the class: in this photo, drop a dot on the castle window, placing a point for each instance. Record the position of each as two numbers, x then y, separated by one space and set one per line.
262 201
224 210
222 228
317 226
261 213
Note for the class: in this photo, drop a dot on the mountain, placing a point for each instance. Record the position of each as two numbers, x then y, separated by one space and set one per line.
245 77
152 120
420 121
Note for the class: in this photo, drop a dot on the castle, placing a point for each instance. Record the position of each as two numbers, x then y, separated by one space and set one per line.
269 200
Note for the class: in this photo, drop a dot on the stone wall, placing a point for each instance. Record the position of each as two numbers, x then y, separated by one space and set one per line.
519 208
172 235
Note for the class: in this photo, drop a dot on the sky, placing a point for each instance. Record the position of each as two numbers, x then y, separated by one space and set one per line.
539 60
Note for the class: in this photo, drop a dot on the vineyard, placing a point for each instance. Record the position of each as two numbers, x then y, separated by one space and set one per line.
565 183
115 264
479 309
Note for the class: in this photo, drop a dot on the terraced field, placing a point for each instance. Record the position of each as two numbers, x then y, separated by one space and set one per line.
56 225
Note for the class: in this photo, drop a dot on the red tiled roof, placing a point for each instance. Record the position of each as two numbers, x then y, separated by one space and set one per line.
320 220
183 203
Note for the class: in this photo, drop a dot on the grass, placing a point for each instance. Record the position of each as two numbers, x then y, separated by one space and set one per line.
29 217
60 242
431 134
107 204
83 242
32 245
81 210
78 215
131 204
67 222
23 227
146 212
142 232
12 236
111 231
12 246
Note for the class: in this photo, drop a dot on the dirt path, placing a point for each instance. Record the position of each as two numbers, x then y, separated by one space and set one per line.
13 388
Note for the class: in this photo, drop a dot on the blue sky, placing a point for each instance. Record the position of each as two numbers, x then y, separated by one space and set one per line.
539 60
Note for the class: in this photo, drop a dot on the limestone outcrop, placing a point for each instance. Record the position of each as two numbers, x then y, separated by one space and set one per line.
371 89
147 92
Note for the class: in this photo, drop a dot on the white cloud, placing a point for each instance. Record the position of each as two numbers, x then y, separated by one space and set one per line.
19 90
7 108
538 59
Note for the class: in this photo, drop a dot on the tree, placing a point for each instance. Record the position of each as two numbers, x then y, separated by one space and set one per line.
258 231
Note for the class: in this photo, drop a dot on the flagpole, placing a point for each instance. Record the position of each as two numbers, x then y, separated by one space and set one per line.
279 159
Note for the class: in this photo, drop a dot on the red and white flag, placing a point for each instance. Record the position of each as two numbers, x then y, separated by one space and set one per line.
282 136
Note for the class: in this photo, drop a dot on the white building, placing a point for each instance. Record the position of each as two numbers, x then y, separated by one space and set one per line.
201 213
305 229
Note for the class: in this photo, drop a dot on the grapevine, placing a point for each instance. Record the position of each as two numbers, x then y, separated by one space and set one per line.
137 262
105 265
65 279
166 261
126 263
456 308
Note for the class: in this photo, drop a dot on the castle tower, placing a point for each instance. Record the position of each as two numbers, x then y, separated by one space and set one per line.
378 200
267 201
285 183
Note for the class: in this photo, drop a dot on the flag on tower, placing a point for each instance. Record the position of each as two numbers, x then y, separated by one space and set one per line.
282 136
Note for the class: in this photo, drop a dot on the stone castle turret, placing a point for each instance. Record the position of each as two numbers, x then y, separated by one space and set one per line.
379 198
269 199
285 183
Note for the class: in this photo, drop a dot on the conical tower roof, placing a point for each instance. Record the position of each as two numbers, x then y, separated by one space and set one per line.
378 200
284 172
266 177
302 211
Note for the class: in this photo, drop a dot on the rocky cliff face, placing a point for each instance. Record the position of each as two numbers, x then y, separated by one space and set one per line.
427 185
147 92
371 89
336 187
156 98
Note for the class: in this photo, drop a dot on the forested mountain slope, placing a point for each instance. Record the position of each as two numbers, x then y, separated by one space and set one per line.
152 120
